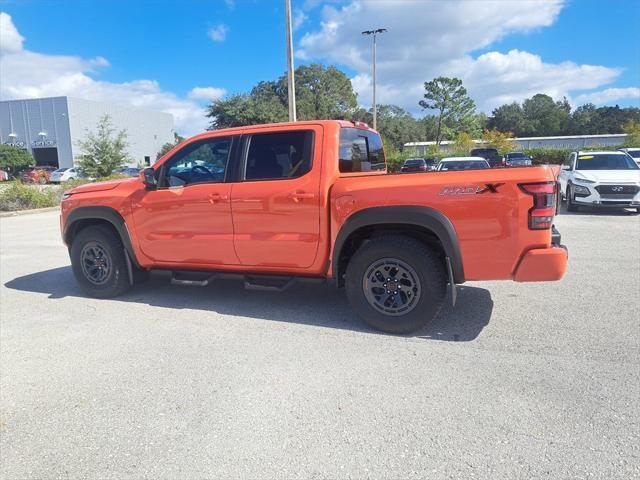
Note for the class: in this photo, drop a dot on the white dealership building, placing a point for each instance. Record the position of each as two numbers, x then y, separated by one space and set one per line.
51 128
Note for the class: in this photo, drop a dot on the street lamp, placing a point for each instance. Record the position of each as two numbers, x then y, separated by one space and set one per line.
374 33
291 82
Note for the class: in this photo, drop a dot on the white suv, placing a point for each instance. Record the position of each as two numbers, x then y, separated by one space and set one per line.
600 179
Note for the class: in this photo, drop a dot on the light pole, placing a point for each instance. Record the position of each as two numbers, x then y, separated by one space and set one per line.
374 33
291 83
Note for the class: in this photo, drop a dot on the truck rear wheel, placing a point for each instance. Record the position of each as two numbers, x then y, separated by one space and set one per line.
396 284
98 262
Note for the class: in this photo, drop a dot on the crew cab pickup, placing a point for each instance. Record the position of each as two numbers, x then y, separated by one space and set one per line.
275 204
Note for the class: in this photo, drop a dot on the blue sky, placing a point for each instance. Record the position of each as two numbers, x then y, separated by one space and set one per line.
174 56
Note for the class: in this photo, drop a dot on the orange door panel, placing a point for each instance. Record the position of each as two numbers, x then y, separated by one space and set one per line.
189 224
277 222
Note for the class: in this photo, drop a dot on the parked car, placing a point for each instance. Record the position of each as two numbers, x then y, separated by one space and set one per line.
39 174
517 159
418 165
64 174
128 171
633 153
600 179
462 163
491 155
311 201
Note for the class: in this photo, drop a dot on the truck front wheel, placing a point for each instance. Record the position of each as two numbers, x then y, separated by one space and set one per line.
395 283
98 262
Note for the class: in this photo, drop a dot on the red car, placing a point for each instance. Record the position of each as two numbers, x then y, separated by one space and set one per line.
37 174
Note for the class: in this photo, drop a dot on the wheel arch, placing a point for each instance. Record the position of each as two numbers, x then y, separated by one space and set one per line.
424 223
83 217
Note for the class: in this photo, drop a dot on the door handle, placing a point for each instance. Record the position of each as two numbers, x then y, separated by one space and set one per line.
297 196
217 197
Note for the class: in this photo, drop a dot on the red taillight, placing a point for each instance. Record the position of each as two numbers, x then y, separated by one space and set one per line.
544 204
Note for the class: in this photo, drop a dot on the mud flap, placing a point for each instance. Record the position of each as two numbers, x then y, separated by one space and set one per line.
129 266
453 289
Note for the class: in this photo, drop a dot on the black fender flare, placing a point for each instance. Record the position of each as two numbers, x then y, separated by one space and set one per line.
428 218
107 214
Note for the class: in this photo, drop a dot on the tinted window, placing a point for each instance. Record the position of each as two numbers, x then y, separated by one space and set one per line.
360 151
279 155
605 162
462 165
199 162
416 161
634 153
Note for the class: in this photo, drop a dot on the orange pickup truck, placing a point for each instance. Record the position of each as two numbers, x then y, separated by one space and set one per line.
275 204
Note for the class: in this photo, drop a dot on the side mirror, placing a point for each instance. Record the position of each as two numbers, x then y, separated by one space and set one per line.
148 177
566 167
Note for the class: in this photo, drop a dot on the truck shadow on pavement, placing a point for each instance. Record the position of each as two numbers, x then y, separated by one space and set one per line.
317 305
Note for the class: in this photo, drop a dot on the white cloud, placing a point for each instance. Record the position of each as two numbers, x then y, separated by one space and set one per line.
436 38
206 93
10 39
298 18
27 74
218 33
608 96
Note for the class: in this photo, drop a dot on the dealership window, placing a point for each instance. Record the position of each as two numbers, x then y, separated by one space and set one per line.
279 155
198 162
360 151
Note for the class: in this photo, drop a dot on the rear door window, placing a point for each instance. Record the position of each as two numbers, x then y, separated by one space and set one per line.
279 155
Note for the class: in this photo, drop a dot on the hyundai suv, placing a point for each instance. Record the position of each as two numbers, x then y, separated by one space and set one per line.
600 179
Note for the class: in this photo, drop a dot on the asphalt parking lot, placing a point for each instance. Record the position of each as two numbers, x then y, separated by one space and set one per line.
517 381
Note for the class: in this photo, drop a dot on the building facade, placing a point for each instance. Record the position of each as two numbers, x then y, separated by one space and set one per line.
572 141
51 128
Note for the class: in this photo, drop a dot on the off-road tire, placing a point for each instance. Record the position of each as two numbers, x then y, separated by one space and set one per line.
102 239
422 262
571 207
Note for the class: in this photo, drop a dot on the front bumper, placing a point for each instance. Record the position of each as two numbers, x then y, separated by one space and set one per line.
606 200
544 264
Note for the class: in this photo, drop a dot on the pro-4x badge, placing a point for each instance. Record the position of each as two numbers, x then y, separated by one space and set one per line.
471 189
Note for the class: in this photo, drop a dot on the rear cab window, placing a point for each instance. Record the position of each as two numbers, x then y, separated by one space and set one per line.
360 151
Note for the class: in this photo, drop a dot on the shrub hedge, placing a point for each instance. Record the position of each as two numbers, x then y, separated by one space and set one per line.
18 196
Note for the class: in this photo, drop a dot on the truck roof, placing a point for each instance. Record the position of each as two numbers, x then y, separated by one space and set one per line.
341 123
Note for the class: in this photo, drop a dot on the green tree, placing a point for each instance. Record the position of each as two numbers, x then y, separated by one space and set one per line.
632 129
451 100
508 118
321 93
396 125
103 150
12 158
545 117
164 149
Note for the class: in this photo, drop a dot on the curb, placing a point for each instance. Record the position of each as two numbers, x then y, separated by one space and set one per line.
28 212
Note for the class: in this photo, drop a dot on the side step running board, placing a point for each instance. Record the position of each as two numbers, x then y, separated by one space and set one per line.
271 283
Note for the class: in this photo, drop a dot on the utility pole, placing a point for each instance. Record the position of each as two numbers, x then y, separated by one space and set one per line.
374 33
291 83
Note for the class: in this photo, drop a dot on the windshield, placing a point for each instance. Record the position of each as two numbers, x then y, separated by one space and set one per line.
415 161
605 162
517 155
60 170
466 165
634 153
